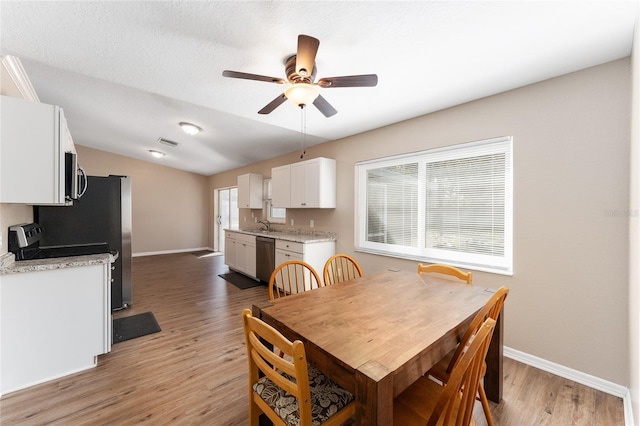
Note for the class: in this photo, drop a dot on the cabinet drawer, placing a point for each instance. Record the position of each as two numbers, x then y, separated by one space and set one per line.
290 246
243 238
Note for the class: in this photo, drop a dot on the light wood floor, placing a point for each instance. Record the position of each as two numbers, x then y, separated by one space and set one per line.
194 370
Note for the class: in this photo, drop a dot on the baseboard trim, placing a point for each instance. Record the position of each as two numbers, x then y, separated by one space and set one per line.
156 253
578 377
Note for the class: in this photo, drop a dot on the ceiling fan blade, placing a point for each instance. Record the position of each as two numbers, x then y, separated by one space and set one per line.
325 107
364 80
306 55
273 104
247 76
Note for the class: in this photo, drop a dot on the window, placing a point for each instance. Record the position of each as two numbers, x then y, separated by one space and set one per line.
448 205
274 214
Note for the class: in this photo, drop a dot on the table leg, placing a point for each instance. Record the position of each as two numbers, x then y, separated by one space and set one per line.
374 395
494 376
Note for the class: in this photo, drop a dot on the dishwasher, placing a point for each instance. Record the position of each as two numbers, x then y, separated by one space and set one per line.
265 257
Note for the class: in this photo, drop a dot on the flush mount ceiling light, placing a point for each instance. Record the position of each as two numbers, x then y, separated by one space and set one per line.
156 154
190 129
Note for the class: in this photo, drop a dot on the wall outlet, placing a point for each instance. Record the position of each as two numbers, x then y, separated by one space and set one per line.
311 223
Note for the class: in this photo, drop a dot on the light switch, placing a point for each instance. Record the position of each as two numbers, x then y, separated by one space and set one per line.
311 223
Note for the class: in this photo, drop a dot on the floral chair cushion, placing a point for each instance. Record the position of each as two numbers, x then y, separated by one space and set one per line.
327 398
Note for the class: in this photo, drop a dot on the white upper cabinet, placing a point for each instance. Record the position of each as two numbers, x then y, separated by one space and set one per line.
33 141
281 186
250 191
313 183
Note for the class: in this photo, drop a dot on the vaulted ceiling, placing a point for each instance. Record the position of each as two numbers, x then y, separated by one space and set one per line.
127 72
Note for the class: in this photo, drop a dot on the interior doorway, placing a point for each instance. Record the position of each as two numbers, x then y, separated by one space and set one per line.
228 215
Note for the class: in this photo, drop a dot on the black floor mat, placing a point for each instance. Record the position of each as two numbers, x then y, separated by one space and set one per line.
241 281
139 325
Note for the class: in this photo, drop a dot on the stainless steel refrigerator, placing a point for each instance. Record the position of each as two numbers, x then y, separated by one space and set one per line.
103 214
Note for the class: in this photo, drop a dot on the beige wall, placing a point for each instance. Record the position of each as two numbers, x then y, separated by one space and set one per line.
634 234
568 300
169 206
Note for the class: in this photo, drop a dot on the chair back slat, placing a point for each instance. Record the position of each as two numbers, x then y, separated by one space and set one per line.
340 267
263 360
455 405
491 309
292 277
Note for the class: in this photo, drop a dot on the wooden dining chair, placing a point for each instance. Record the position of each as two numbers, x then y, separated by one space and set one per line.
289 392
340 267
426 402
291 277
443 370
447 270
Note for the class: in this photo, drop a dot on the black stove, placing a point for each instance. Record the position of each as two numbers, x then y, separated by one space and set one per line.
24 243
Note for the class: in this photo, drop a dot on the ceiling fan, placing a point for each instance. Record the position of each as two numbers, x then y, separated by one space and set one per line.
300 70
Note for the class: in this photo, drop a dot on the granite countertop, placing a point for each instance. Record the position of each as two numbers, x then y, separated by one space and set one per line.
8 265
298 236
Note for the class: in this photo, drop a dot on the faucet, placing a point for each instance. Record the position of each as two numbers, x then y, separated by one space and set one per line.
266 224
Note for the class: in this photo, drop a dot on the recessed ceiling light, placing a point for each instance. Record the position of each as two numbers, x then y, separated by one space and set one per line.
157 154
190 129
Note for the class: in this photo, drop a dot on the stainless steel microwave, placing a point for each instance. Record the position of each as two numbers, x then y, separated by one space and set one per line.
75 179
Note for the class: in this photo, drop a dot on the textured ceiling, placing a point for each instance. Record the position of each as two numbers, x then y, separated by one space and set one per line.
127 72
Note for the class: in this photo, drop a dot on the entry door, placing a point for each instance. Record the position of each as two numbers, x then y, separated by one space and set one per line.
228 214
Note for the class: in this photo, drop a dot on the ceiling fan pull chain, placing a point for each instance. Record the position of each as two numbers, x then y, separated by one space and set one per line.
303 129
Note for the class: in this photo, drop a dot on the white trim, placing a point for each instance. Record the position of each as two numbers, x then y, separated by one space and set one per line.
628 409
566 372
578 377
19 76
155 253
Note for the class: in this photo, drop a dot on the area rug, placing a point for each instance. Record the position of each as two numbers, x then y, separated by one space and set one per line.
241 281
138 325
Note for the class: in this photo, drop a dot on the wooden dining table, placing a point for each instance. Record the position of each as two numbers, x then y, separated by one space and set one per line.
377 334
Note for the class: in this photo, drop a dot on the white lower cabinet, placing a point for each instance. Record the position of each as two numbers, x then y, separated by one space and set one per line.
230 249
53 323
240 252
288 250
314 253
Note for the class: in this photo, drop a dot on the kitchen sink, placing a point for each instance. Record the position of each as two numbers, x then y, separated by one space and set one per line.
260 231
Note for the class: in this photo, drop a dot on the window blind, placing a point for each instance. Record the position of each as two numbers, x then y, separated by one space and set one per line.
450 205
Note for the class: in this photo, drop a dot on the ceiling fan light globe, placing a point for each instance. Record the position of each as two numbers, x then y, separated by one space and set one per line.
302 93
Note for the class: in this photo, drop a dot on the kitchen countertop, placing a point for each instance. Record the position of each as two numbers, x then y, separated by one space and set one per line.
8 265
298 236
